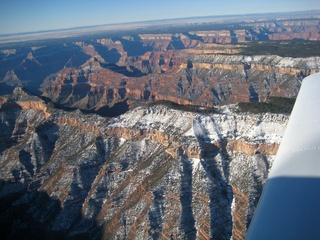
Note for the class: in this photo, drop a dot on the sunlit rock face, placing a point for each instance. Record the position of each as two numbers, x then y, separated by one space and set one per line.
152 172
204 68
193 78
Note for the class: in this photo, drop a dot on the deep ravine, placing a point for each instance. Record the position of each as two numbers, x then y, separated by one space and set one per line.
151 173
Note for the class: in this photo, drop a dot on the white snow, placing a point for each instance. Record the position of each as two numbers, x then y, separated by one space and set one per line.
192 127
195 164
122 141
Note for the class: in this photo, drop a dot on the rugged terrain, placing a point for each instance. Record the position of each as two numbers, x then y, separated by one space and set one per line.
152 173
140 135
231 62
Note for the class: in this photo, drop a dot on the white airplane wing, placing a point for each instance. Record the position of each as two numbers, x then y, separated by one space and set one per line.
289 207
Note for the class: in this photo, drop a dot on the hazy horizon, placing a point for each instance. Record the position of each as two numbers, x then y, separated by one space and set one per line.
149 22
19 16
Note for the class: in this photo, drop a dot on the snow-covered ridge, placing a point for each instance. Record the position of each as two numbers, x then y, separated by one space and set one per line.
144 160
260 128
272 60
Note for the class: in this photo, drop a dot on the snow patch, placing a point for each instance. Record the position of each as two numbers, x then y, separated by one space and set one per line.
122 141
195 164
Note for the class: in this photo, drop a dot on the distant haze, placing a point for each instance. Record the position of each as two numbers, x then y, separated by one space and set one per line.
19 16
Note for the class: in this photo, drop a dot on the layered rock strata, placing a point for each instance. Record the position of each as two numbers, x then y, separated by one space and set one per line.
150 173
203 68
203 80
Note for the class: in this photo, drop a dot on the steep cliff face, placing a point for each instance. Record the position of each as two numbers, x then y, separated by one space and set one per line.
207 67
181 77
263 29
150 173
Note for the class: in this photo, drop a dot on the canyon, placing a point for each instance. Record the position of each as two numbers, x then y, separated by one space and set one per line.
144 133
152 172
202 68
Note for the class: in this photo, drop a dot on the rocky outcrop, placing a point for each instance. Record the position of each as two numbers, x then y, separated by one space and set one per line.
252 149
152 172
12 79
37 106
223 36
204 80
204 68
305 29
148 173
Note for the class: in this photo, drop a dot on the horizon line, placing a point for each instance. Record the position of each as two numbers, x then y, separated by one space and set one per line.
147 21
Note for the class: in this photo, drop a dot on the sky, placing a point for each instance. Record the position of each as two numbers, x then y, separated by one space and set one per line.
17 16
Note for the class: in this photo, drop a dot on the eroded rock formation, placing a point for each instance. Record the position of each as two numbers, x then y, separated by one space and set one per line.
204 68
204 80
150 173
